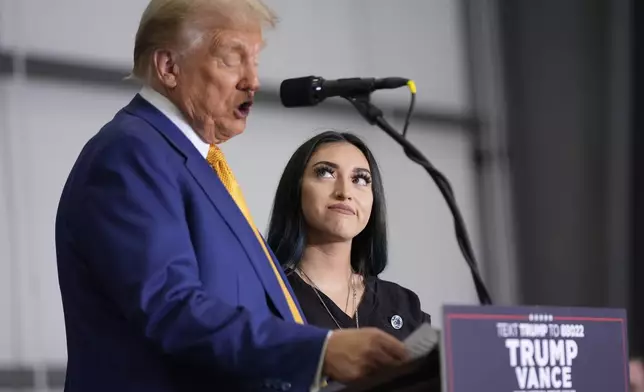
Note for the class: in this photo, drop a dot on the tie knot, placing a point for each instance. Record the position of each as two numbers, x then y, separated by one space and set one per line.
217 161
215 155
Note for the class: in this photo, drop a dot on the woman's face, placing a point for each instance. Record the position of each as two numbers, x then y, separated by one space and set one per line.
336 193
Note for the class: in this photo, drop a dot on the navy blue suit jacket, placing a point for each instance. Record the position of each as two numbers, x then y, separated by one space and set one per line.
163 282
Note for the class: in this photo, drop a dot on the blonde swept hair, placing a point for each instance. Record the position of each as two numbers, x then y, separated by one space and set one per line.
182 24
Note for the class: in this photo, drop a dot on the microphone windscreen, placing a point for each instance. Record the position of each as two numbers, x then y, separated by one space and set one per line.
298 92
391 83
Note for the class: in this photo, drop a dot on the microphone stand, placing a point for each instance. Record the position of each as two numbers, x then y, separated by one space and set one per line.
374 116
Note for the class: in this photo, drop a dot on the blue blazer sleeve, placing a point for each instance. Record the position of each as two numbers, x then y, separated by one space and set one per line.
131 229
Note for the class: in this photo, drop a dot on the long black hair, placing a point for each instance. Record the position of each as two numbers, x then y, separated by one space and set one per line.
287 227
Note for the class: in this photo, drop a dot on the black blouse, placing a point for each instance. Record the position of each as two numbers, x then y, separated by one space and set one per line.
384 305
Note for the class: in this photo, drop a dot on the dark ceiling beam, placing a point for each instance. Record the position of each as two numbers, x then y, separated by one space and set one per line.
6 64
39 67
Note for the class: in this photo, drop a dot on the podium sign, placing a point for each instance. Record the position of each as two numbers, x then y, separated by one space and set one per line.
537 349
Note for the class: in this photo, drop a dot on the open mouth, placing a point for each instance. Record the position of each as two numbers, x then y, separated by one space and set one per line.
243 110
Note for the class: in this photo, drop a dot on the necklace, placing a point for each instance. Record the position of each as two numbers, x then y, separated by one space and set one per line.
352 289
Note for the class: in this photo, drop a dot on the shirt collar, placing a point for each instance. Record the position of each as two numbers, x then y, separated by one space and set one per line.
173 114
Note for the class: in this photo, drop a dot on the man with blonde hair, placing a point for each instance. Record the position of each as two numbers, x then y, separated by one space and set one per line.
166 283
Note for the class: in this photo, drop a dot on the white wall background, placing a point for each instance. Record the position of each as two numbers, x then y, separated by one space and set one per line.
7 297
43 126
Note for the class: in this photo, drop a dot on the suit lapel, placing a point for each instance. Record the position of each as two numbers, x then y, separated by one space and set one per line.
285 279
220 199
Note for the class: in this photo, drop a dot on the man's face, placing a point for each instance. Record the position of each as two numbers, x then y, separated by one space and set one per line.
216 82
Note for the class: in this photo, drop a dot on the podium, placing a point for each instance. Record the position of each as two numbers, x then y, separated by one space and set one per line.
422 374
512 348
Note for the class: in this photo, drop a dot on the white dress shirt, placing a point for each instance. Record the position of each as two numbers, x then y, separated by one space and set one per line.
173 113
169 110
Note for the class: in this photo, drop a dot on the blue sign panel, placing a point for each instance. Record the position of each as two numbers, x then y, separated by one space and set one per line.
537 349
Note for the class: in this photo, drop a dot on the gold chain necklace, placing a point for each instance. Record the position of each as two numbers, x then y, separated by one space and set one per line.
317 291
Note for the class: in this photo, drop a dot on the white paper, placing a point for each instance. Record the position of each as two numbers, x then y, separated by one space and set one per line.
422 341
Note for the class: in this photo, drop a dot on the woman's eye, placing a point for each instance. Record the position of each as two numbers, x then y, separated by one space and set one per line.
361 181
324 172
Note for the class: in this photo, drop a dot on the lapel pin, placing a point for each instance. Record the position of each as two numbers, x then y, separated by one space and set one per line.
396 321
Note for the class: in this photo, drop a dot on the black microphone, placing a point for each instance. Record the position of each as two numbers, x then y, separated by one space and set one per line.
311 90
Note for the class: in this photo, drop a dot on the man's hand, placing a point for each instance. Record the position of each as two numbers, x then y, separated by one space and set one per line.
354 353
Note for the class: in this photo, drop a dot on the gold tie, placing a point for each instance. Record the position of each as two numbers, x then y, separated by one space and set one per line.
218 162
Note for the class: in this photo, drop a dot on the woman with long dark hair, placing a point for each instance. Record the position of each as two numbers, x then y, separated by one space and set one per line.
328 228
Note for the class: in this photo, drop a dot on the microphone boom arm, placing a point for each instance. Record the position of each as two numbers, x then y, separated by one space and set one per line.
374 116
